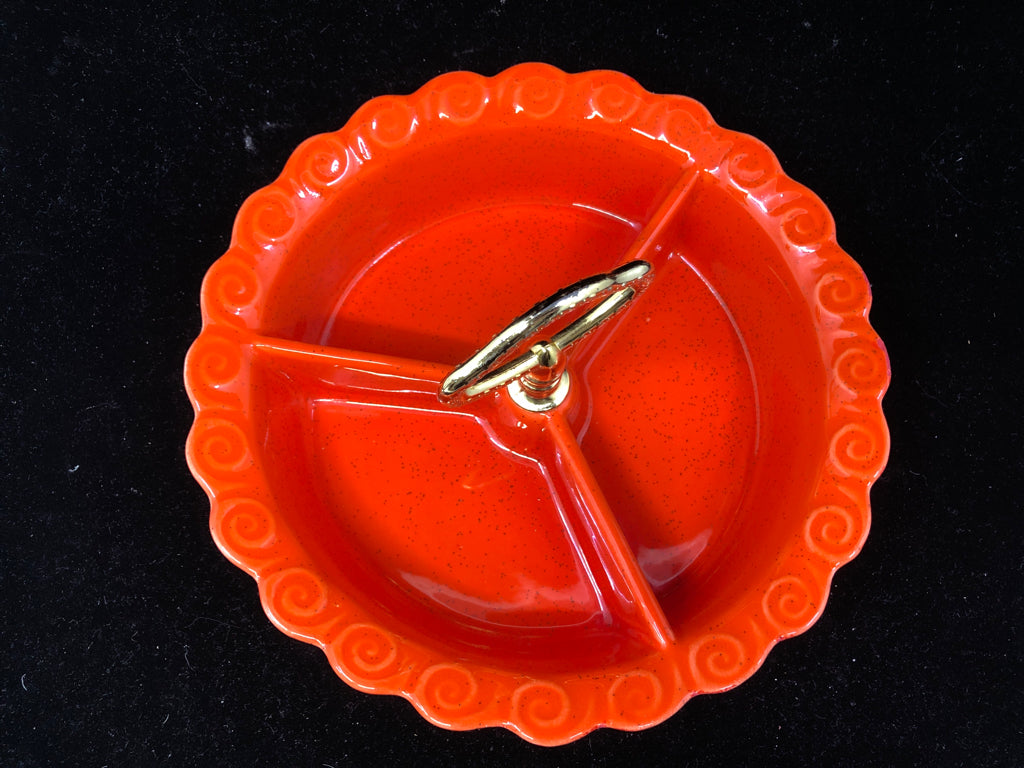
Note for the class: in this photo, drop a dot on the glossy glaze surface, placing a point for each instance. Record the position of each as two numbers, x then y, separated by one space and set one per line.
595 565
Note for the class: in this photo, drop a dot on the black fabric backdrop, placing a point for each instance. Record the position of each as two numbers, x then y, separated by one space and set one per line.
128 138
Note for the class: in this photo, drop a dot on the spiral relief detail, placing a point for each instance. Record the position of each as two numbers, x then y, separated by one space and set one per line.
842 292
833 531
246 527
718 661
854 451
636 697
393 123
298 597
613 103
220 447
750 164
538 97
539 707
367 652
230 289
680 129
805 224
323 162
214 363
862 368
448 689
463 102
789 604
268 216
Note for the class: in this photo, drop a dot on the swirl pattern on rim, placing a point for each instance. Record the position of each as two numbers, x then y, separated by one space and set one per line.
834 531
635 697
448 691
719 661
367 653
296 597
246 527
231 291
789 602
244 521
221 448
324 162
266 217
463 100
541 708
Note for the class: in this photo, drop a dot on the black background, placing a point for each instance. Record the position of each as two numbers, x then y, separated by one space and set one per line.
129 137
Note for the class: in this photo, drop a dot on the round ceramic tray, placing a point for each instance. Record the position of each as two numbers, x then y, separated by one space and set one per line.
596 564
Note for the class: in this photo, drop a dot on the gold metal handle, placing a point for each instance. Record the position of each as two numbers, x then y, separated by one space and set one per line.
537 378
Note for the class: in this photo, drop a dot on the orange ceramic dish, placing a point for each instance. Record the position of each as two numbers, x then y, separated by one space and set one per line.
596 564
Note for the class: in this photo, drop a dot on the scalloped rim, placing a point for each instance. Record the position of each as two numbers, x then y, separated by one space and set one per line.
370 657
